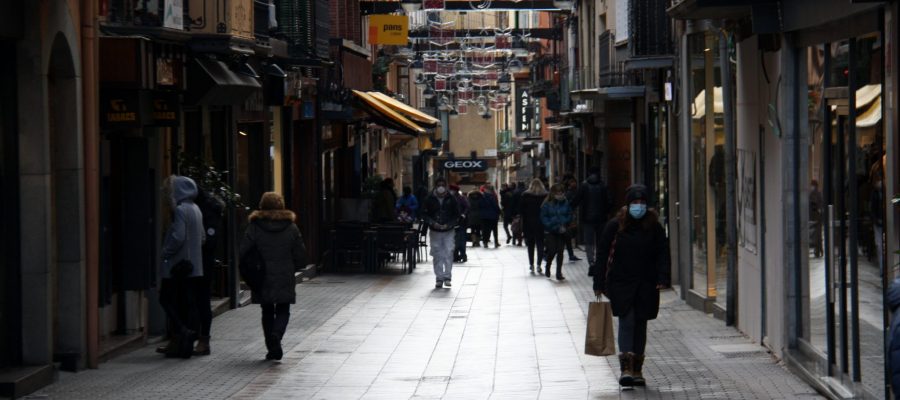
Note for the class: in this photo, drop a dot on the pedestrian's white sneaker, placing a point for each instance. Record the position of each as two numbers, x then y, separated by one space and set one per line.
447 283
438 284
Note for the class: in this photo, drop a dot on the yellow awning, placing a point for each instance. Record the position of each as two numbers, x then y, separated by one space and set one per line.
406 109
387 112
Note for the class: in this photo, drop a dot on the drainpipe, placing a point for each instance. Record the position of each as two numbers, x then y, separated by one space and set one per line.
91 175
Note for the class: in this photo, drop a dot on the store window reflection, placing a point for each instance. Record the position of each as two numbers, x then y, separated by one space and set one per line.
846 209
708 168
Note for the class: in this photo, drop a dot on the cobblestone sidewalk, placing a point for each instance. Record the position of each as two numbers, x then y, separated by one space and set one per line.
498 333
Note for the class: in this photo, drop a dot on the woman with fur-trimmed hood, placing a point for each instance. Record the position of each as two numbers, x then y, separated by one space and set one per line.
278 240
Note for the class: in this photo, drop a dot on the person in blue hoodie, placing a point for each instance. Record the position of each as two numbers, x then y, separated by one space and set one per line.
556 215
407 206
182 260
894 344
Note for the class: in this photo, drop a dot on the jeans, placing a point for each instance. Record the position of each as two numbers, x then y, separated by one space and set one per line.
442 245
591 236
489 226
632 334
536 241
556 243
460 245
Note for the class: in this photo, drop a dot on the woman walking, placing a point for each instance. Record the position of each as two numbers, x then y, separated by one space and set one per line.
274 235
635 249
474 217
556 215
532 228
490 216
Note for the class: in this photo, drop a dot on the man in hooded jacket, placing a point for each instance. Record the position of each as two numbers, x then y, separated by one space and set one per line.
182 259
441 213
593 201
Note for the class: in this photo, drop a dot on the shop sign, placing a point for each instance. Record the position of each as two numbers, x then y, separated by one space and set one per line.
465 165
121 109
174 15
388 29
165 109
524 110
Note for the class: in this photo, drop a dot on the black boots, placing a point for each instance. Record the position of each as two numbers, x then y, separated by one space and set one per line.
202 348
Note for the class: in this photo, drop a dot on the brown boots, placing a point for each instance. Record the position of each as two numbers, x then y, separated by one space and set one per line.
630 365
202 348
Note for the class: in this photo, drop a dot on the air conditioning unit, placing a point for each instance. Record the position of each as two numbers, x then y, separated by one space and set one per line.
230 17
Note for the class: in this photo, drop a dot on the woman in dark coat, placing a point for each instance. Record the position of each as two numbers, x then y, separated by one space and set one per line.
636 253
532 227
474 217
490 216
273 232
556 216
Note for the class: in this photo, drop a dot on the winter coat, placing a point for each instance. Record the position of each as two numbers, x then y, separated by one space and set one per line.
490 207
407 203
593 201
893 298
213 210
507 201
185 236
555 215
463 203
441 213
530 210
279 242
475 199
383 207
640 262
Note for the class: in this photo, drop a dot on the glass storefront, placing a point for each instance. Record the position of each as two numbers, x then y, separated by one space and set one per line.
707 168
843 309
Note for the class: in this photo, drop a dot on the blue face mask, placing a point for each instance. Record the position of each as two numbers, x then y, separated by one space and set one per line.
637 211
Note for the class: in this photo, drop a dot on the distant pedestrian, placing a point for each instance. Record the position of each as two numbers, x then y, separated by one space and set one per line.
571 187
407 206
506 203
593 203
636 251
273 233
519 190
474 217
441 213
385 200
182 260
556 216
532 228
490 216
459 253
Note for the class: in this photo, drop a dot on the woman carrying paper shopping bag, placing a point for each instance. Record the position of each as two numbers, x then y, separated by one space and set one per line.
637 266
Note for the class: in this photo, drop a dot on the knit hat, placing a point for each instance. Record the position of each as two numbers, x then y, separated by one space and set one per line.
636 191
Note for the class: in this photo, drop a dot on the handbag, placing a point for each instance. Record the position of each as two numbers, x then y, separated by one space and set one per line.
253 268
599 339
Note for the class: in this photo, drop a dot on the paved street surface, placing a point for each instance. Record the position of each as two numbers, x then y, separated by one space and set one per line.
499 333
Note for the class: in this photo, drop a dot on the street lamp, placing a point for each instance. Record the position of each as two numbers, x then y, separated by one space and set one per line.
410 6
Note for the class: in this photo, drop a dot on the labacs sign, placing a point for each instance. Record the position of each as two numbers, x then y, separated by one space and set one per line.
465 165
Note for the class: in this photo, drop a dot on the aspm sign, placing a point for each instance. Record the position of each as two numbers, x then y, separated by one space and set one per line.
388 29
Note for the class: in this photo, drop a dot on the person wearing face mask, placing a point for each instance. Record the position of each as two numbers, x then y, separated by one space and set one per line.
556 215
442 216
636 253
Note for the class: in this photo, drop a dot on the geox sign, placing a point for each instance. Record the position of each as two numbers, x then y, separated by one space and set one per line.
465 165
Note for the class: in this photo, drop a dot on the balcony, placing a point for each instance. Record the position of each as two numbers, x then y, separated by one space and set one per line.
651 29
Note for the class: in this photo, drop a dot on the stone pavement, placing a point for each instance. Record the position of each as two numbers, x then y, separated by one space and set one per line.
498 333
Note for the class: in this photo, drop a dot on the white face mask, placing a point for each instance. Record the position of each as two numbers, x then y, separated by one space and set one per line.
441 190
560 197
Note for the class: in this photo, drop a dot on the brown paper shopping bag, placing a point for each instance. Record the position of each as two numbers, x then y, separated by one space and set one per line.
599 340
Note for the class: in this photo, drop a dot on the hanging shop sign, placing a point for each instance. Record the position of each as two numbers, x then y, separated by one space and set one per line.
470 165
174 15
524 110
388 29
166 109
122 109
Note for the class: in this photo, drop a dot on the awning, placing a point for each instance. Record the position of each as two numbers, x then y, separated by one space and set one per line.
871 116
561 127
386 116
609 93
211 82
699 107
416 116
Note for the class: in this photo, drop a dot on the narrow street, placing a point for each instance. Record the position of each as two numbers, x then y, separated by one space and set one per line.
498 333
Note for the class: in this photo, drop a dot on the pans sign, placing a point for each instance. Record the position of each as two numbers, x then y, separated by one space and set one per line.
465 165
388 29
